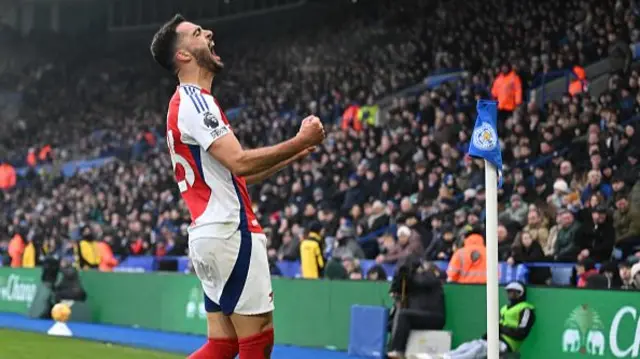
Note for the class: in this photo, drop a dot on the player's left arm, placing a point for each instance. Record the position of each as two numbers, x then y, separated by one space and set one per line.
261 176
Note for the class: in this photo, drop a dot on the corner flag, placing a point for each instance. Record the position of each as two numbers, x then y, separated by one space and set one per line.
484 140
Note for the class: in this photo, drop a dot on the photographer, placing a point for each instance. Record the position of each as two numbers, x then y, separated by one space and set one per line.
418 302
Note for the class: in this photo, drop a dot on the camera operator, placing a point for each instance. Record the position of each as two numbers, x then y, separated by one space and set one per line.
418 302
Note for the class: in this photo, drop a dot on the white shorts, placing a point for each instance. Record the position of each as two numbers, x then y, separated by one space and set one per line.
234 273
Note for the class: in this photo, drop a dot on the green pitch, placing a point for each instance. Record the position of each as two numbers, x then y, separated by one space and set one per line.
25 345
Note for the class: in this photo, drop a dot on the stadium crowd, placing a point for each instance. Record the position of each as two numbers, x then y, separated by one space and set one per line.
400 188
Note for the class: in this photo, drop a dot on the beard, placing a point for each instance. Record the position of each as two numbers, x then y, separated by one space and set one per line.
205 59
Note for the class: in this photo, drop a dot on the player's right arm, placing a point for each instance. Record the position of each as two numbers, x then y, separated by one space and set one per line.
241 162
211 133
261 176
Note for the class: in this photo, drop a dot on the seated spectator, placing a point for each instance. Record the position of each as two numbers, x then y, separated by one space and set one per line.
505 243
598 237
606 279
290 248
347 244
442 247
529 251
560 189
515 213
569 233
550 248
537 227
595 184
408 243
626 279
433 237
635 276
621 217
629 244
377 273
585 268
378 218
335 270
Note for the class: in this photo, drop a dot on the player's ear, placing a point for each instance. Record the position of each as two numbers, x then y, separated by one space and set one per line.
183 56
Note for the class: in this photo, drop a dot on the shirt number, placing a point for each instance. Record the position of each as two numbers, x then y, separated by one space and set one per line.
176 159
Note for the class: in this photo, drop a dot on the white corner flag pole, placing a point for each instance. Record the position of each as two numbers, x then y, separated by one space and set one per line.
491 226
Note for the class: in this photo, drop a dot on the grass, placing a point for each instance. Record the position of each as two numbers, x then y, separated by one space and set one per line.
25 345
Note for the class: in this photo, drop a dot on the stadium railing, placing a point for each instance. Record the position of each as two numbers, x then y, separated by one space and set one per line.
560 272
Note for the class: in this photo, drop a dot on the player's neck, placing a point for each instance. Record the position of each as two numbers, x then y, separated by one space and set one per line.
202 79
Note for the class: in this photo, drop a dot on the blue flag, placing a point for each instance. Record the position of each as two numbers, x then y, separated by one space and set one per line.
484 140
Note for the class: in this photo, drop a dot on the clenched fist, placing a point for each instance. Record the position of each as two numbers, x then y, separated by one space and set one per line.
311 131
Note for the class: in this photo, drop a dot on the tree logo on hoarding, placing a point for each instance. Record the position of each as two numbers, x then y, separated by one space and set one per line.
583 332
195 306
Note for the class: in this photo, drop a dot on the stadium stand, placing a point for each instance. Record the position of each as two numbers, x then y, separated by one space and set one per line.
396 88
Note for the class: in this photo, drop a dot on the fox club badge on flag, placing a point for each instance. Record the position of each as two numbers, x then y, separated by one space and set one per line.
484 140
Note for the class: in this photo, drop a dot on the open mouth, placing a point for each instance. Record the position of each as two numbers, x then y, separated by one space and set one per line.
213 51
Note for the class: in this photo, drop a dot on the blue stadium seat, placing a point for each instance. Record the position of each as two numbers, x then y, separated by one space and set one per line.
510 273
368 331
144 263
366 264
561 275
183 264
289 269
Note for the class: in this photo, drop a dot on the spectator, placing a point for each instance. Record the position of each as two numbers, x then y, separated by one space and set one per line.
608 278
347 246
635 275
629 243
290 248
516 213
505 243
621 217
86 252
598 237
585 268
507 90
377 273
311 252
16 249
537 227
529 251
550 248
107 260
7 176
627 282
569 232
469 263
442 247
595 185
433 238
408 244
560 189
620 56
